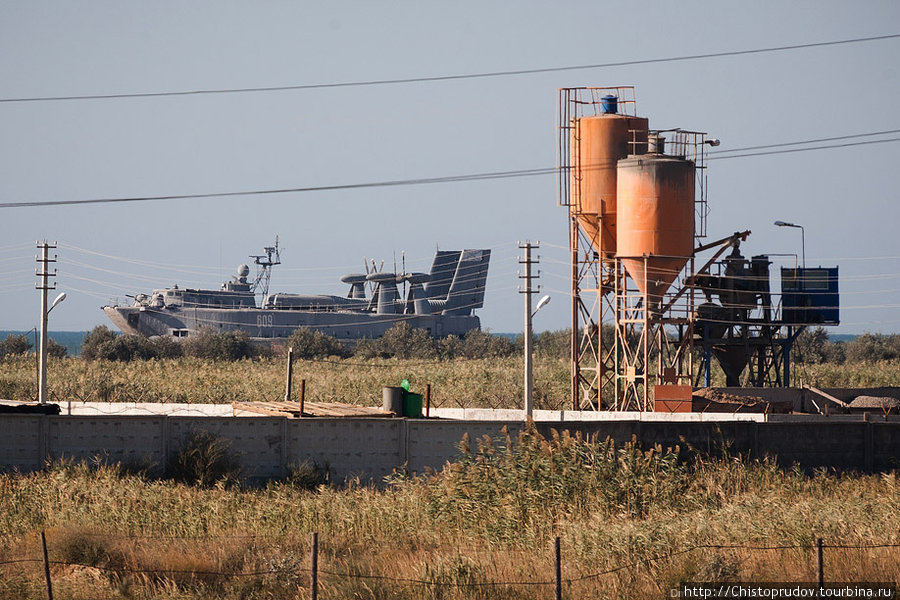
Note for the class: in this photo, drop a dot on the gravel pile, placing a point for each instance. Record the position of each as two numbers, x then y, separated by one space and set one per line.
726 398
882 402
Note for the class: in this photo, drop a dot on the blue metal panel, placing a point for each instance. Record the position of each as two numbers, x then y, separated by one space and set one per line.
810 296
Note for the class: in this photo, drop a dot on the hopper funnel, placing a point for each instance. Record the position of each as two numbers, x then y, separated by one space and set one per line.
655 220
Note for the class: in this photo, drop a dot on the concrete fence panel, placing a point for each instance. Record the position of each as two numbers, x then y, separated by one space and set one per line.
372 448
431 444
133 441
258 442
368 448
23 442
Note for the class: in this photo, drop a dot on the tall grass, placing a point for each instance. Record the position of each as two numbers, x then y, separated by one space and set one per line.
495 382
490 517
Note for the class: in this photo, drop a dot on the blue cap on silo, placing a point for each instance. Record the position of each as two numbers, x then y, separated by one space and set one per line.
609 104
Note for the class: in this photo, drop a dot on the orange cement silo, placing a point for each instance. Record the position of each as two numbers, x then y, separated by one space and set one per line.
655 211
597 143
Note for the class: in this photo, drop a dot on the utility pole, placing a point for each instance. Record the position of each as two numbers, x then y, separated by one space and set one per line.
44 273
528 291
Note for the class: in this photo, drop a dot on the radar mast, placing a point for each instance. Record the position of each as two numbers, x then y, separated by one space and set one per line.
264 264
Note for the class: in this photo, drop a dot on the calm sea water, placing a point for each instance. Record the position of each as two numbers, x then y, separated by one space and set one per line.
70 339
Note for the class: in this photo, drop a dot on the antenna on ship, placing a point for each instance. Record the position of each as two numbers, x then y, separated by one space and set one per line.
403 260
264 264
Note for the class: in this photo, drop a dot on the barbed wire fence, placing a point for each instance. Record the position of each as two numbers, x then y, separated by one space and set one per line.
313 574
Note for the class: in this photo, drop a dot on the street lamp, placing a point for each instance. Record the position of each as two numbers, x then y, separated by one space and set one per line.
59 299
42 383
802 236
529 382
541 303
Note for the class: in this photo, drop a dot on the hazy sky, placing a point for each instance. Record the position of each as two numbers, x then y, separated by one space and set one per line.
846 198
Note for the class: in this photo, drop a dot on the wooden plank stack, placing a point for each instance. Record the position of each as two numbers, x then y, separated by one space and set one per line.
298 410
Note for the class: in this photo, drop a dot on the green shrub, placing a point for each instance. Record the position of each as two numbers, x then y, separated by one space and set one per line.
204 460
835 353
449 347
221 345
81 548
14 344
872 347
402 341
17 344
307 475
166 347
553 344
55 349
125 348
366 348
809 347
482 344
96 337
315 344
558 344
101 343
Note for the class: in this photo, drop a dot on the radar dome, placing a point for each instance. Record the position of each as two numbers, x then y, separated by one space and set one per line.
243 270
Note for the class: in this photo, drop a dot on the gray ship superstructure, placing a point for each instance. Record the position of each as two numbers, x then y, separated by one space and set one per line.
442 302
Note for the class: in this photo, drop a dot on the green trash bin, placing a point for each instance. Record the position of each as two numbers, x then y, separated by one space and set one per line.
412 405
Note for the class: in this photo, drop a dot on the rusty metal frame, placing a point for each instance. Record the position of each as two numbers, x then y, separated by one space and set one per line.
620 372
640 334
592 364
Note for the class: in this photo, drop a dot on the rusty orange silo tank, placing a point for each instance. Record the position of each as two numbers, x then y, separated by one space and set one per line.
597 144
655 212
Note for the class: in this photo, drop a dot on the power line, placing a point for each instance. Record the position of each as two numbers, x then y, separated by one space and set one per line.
322 188
768 152
816 141
484 75
403 182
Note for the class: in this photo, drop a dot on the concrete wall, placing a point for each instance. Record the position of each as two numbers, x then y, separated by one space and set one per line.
372 448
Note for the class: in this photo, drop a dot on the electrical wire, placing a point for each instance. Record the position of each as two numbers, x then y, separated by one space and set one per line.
381 184
321 188
816 141
792 150
483 75
206 271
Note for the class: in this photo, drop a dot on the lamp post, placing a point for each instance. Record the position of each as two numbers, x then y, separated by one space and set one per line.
801 281
42 392
529 382
802 236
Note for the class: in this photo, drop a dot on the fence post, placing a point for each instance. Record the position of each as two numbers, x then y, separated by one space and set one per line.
46 566
558 569
820 564
427 399
290 374
314 557
302 395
